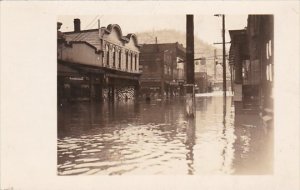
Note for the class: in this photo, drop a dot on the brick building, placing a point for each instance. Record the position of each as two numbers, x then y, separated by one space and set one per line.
163 70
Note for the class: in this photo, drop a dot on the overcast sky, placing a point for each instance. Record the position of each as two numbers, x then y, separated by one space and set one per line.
206 27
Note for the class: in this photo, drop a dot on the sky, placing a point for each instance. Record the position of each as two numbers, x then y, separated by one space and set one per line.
207 27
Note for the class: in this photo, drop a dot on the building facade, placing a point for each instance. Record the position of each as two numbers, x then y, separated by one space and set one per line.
163 70
251 59
97 64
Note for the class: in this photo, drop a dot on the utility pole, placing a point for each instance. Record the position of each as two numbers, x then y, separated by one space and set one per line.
190 49
224 54
190 67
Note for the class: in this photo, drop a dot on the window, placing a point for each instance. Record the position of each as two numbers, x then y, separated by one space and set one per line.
131 61
135 68
114 57
269 72
120 55
107 55
126 60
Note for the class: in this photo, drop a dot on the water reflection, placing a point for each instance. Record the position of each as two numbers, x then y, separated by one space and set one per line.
157 138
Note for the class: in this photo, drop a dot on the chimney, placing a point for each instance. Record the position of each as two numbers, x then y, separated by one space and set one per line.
76 25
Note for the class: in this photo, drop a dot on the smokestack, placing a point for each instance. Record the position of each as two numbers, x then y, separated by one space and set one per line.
76 25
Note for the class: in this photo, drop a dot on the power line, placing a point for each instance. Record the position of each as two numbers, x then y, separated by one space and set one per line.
81 34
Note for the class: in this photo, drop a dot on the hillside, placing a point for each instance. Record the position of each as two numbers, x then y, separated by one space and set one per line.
202 49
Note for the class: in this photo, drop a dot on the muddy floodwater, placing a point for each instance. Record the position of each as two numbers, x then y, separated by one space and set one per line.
142 138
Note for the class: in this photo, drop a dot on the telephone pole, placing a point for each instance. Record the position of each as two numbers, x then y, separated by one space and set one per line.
190 49
224 54
190 68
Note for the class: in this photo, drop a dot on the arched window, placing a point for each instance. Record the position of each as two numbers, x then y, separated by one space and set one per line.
107 55
126 60
114 57
120 58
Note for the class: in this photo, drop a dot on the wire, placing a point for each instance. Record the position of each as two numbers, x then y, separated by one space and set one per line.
82 34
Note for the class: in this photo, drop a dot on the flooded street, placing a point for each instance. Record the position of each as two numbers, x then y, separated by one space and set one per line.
157 138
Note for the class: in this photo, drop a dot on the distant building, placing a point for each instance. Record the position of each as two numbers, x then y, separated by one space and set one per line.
251 57
97 64
201 82
163 69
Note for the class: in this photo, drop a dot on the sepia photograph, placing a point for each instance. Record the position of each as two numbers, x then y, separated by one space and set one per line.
149 95
184 94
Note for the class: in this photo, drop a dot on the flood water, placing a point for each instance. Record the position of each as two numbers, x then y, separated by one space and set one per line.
145 138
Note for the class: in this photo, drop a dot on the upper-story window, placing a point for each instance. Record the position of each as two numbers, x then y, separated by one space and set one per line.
107 55
120 58
135 62
114 57
131 61
126 60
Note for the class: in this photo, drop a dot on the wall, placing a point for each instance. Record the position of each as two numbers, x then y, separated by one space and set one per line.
81 53
113 42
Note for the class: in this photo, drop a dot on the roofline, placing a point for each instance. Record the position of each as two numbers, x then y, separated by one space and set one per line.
162 43
108 31
237 32
81 31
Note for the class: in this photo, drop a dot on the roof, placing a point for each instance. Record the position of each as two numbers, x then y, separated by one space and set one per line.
233 33
70 43
239 45
163 46
91 36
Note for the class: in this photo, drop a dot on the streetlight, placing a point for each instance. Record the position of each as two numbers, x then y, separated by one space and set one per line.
224 53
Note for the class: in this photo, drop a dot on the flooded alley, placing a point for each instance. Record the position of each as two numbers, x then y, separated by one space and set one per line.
156 137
